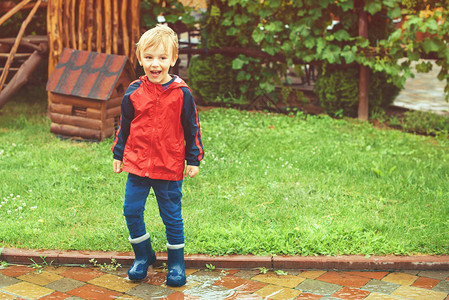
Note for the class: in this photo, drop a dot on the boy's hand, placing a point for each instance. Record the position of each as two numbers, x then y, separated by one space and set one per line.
117 166
191 171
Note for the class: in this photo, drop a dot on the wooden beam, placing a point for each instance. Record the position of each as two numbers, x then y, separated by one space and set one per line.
10 13
21 77
17 43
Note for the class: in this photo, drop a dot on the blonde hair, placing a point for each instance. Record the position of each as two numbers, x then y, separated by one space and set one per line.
161 34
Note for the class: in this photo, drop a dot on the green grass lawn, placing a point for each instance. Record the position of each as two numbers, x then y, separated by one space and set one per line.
269 184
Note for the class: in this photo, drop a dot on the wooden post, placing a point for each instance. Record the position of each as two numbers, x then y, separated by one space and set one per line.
81 22
115 34
73 22
123 16
108 26
90 23
65 22
135 28
99 21
363 111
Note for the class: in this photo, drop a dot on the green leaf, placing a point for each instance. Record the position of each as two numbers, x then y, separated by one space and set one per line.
372 7
341 35
258 35
431 45
332 54
237 63
310 42
215 11
349 56
346 5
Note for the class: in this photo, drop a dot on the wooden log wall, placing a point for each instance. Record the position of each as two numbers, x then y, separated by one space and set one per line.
106 26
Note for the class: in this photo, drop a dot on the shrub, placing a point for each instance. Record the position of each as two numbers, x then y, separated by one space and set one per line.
424 122
212 78
338 90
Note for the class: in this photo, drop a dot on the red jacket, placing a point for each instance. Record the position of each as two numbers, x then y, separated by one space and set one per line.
159 130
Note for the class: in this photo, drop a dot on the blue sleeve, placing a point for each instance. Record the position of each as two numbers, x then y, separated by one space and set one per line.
192 132
127 115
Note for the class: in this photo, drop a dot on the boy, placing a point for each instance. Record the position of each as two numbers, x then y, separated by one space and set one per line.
159 130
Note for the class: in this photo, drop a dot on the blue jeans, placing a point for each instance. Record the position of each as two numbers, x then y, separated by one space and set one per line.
168 196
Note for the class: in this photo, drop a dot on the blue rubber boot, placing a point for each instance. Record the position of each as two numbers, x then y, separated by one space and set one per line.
176 268
144 257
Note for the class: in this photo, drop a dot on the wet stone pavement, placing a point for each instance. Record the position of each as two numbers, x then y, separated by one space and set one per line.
77 282
424 92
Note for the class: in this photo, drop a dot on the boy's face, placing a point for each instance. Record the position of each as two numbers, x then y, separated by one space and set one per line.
156 62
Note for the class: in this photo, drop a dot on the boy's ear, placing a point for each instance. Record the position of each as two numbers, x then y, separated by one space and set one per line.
174 60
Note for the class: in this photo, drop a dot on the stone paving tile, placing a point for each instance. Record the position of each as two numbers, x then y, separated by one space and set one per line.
15 271
351 293
344 279
180 296
289 281
156 278
318 287
441 275
93 292
425 282
415 293
238 295
207 291
5 296
28 290
240 284
146 291
114 283
82 274
308 296
277 292
367 274
65 284
442 286
58 269
247 274
379 296
40 278
312 274
6 280
56 295
380 286
400 278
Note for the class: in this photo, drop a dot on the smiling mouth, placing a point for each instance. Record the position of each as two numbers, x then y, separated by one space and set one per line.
155 73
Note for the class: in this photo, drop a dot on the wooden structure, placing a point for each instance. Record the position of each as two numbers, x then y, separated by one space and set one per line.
22 54
85 93
105 26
